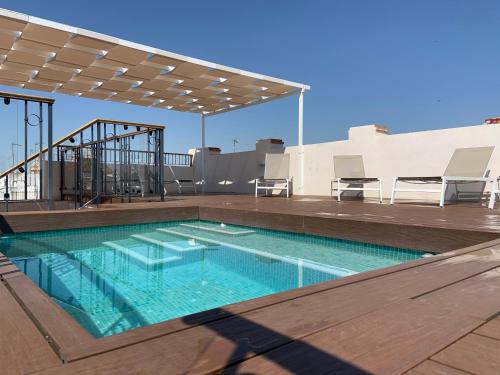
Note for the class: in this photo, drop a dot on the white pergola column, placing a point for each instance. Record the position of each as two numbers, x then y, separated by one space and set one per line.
203 153
301 143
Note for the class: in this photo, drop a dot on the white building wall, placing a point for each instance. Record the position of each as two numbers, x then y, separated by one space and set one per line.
385 156
234 172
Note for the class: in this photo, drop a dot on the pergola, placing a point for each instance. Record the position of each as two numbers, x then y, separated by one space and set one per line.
43 55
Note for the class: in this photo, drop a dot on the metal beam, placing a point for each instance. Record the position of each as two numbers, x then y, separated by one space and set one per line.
160 159
25 150
291 93
203 153
301 142
31 98
40 149
50 182
98 163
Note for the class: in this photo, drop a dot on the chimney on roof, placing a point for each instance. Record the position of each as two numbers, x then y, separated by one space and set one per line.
492 120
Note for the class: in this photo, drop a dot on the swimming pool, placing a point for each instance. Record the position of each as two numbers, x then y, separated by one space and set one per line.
113 279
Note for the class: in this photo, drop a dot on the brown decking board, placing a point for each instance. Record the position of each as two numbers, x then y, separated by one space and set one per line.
474 353
490 329
54 322
387 341
431 367
418 317
14 222
23 349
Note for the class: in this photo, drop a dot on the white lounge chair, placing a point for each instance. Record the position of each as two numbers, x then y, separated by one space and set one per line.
277 172
350 170
182 177
467 165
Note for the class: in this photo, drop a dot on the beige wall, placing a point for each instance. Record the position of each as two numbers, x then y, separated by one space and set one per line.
385 156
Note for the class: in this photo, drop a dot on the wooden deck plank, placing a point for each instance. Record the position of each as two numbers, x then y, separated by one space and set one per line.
434 368
490 329
23 349
56 323
476 296
388 341
474 353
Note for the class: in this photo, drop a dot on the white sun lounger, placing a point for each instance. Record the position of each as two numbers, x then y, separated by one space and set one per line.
350 170
467 165
182 177
276 174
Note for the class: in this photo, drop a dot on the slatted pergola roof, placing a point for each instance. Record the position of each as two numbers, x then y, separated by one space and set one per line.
47 56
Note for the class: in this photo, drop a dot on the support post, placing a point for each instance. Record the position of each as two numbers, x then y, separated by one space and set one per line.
161 172
98 164
50 182
80 171
104 189
301 142
203 154
25 150
115 188
40 157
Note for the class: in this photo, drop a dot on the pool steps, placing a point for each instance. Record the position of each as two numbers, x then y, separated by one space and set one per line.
139 257
167 245
217 230
337 271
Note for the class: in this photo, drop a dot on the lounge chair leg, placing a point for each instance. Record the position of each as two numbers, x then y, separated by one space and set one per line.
491 205
380 190
287 192
493 194
393 194
256 185
338 189
443 191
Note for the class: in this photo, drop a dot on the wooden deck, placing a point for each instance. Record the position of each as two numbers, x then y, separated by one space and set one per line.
437 315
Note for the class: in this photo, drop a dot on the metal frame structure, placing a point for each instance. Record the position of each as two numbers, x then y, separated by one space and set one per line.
102 162
23 166
349 181
86 154
300 142
75 61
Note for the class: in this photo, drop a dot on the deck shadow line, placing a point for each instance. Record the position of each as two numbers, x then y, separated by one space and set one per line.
245 349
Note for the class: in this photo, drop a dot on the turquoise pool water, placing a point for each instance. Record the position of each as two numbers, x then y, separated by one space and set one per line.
113 279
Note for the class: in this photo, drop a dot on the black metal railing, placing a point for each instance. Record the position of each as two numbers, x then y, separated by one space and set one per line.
137 157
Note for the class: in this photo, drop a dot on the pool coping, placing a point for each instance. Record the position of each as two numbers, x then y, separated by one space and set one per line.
72 342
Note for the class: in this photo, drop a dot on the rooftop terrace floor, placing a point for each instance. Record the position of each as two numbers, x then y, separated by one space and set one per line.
436 315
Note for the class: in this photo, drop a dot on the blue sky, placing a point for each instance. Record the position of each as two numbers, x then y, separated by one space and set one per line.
410 65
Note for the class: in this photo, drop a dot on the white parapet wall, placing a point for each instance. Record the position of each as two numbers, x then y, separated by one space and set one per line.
234 172
386 156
